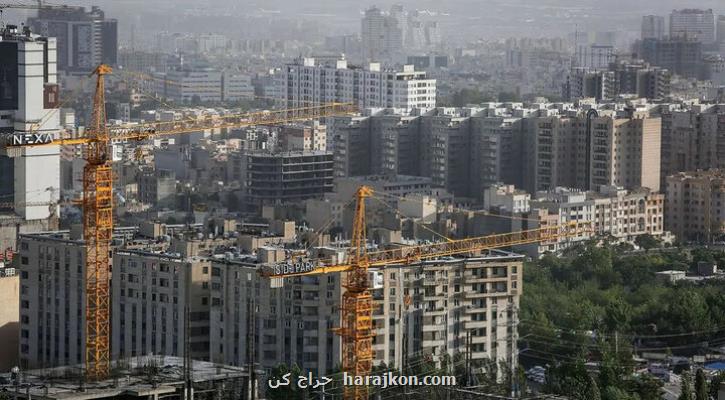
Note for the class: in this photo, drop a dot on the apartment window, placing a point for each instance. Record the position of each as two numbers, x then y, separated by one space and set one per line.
205 270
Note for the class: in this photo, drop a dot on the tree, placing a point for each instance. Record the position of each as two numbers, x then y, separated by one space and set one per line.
285 392
617 315
700 385
686 387
646 241
715 384
647 387
592 392
615 393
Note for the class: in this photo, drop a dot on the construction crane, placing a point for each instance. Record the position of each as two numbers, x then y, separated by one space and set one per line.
356 328
97 199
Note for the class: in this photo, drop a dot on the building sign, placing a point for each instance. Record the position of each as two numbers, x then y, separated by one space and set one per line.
293 268
29 139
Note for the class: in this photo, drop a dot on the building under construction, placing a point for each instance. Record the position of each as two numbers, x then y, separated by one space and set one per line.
147 377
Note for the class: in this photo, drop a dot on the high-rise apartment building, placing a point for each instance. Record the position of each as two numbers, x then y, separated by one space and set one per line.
281 177
693 24
617 213
52 305
584 83
307 82
229 313
594 56
203 85
461 150
692 139
621 78
52 270
85 38
721 29
592 151
680 55
695 208
30 176
641 79
653 27
382 36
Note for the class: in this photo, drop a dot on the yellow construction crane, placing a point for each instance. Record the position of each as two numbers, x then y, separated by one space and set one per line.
356 328
98 194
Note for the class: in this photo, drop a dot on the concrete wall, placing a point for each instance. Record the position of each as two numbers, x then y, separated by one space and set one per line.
9 322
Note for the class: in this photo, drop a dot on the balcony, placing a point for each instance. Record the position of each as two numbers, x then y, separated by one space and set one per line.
433 328
475 324
433 342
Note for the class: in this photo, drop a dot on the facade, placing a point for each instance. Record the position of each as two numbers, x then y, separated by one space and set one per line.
85 38
653 27
679 55
52 316
382 36
29 177
610 211
237 86
235 311
694 24
299 137
642 80
151 295
592 151
694 209
203 85
9 320
622 78
584 83
307 82
461 150
721 29
281 177
692 139
594 57
448 300
157 187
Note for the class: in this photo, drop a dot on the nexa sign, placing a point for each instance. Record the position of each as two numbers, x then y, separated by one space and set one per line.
27 139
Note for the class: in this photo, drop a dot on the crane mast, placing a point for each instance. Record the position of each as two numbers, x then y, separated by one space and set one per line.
97 234
356 328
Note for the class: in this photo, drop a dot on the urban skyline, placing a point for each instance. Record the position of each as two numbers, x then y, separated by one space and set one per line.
518 200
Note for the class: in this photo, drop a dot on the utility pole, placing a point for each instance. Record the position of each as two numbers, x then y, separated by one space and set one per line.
616 343
468 358
250 347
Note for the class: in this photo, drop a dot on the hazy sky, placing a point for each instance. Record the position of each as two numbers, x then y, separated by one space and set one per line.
464 18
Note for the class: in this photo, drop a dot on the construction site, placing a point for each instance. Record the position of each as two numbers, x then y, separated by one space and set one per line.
145 377
177 260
